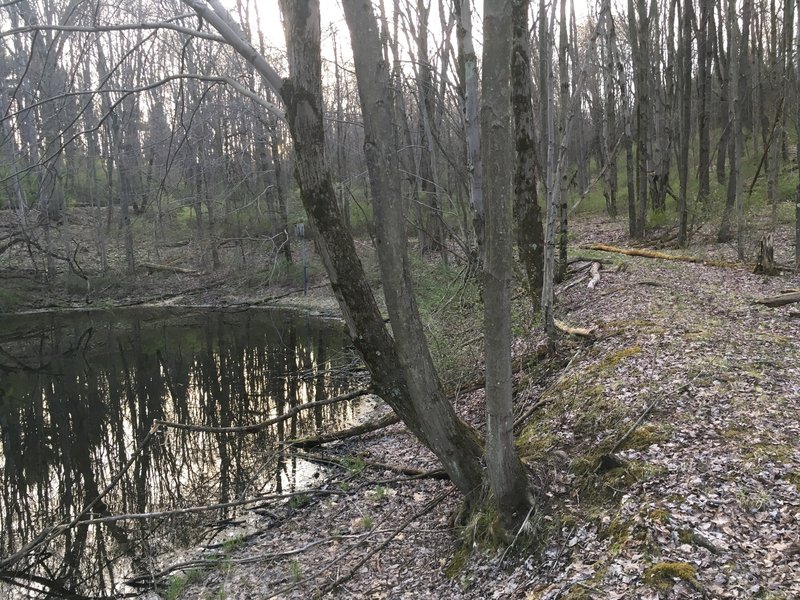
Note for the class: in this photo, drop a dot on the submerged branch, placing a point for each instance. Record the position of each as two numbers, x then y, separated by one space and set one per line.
264 424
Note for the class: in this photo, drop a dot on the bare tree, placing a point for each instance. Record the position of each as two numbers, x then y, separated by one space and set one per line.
527 214
506 473
686 116
471 125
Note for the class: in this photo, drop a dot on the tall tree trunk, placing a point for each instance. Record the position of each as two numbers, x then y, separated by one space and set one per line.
627 110
609 119
471 124
551 171
527 215
639 33
797 152
686 116
506 473
563 118
736 125
703 91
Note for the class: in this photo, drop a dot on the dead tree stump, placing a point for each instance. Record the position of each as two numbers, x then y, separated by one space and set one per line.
765 265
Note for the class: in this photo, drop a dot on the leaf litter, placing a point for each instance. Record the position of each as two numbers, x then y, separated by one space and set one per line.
703 500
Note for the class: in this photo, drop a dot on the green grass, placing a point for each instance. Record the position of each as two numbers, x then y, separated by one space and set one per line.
178 584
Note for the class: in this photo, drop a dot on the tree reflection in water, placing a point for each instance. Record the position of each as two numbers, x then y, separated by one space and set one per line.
77 395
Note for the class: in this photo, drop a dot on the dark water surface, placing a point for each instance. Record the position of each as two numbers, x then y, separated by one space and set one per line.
78 394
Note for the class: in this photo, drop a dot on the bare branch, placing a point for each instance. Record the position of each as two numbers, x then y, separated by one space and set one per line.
124 27
221 20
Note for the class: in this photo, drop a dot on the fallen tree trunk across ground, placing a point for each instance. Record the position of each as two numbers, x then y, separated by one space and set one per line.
664 256
780 299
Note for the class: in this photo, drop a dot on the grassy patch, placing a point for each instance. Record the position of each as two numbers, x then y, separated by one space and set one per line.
769 452
178 583
752 500
299 501
599 488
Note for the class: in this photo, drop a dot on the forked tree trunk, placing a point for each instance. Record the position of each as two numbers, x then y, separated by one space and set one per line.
413 390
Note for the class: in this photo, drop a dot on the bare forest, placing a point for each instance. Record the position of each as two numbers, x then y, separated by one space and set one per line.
563 238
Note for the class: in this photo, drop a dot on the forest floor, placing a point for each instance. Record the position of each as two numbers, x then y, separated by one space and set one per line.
694 387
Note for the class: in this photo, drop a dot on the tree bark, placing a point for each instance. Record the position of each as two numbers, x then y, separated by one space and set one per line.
703 90
471 124
686 115
505 470
563 119
527 215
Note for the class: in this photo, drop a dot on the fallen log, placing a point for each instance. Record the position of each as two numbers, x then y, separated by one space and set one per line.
780 299
168 268
578 331
664 256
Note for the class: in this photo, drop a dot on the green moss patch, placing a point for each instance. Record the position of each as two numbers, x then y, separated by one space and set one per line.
614 358
663 576
645 436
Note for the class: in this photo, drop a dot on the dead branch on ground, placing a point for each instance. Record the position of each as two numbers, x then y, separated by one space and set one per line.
581 332
324 438
594 271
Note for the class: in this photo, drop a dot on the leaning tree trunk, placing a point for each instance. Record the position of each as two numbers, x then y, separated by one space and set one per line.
415 397
506 472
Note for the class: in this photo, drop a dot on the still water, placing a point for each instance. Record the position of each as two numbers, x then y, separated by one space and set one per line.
79 393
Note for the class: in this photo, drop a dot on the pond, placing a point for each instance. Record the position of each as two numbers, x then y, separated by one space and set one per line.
78 397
